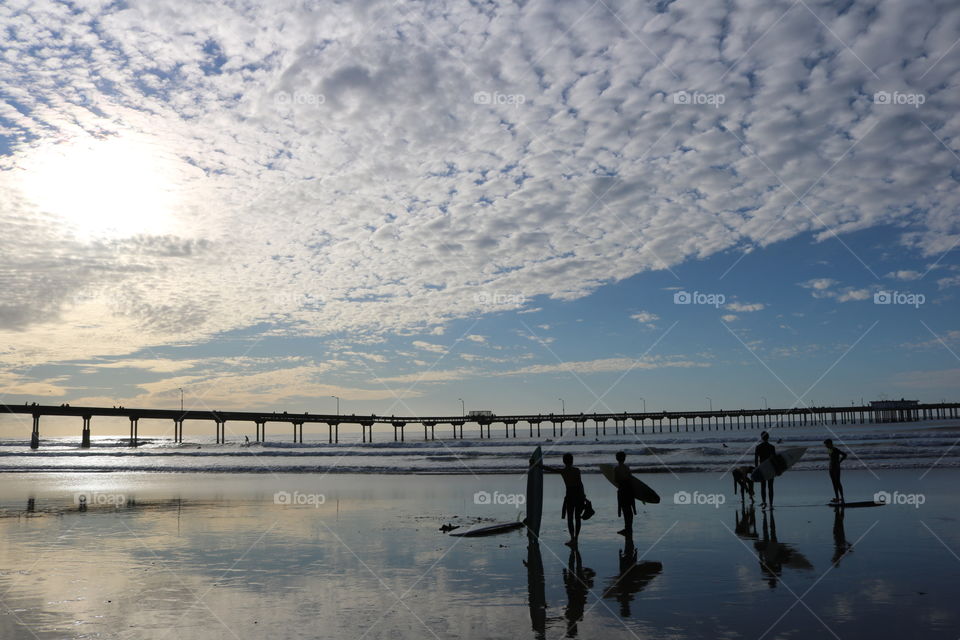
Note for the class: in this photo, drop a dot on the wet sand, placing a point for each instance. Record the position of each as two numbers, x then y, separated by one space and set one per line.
216 556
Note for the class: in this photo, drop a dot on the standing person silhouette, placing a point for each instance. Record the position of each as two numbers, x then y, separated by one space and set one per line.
836 457
625 503
763 451
575 498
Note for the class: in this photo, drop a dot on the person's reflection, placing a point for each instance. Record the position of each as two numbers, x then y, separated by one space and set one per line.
536 590
840 544
774 555
745 524
768 550
31 505
632 579
578 580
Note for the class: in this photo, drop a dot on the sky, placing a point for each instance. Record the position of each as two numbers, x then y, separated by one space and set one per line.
531 206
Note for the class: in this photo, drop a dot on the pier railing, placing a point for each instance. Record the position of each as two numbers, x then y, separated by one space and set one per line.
639 422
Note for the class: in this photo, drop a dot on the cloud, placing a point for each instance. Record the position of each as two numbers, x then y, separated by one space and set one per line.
385 168
429 346
158 365
729 317
819 284
476 338
603 365
823 288
904 275
646 318
746 308
431 375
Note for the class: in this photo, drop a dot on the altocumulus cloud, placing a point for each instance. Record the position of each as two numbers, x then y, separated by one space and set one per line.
372 167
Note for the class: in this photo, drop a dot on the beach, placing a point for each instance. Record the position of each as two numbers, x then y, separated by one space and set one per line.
202 555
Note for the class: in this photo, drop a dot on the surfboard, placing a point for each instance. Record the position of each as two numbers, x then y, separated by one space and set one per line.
855 505
641 491
535 494
776 464
487 529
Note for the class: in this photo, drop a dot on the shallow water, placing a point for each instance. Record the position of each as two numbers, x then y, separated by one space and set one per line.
901 446
217 556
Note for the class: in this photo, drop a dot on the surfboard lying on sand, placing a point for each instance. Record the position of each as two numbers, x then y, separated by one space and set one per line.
776 464
535 494
487 529
856 505
641 491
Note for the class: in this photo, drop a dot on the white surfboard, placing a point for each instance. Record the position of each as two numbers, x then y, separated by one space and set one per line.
776 464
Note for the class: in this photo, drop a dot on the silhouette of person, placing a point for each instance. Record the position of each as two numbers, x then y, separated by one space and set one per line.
836 457
625 503
575 498
578 581
536 590
763 451
743 482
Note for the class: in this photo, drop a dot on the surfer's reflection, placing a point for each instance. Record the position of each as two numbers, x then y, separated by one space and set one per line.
745 524
634 576
774 555
536 590
578 581
840 544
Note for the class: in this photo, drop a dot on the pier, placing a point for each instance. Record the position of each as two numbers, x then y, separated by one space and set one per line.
489 426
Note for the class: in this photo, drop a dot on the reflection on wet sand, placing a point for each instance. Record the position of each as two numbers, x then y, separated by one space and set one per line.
536 590
774 555
840 544
633 577
578 581
745 524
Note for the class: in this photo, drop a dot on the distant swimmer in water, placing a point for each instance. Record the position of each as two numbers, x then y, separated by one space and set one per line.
836 457
763 451
575 499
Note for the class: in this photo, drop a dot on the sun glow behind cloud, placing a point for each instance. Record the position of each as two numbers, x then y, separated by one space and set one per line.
102 188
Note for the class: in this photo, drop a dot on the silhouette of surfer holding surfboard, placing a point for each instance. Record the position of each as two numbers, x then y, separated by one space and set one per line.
836 457
763 451
575 500
625 504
